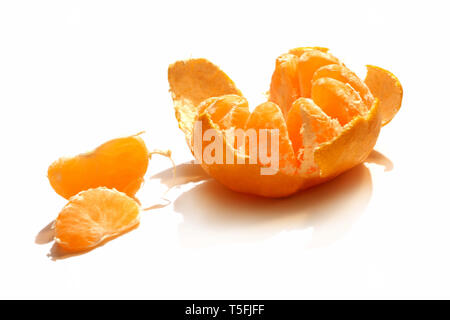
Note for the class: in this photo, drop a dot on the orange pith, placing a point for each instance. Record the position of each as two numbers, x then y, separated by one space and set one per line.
285 86
227 111
93 216
321 124
120 163
327 118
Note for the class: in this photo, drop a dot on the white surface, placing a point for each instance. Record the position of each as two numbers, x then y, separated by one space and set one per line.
74 74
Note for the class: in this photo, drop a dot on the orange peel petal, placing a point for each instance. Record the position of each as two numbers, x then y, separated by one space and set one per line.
387 88
193 81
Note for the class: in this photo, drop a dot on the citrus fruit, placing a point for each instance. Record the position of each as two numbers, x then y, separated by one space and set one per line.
94 215
326 118
120 163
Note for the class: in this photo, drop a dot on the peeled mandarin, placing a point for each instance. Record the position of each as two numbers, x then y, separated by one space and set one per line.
327 119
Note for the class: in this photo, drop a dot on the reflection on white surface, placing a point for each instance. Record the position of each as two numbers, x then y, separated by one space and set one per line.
214 215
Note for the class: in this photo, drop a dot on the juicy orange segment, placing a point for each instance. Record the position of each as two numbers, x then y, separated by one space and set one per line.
93 216
345 75
317 129
269 116
337 99
266 116
120 163
285 87
294 123
309 62
294 73
387 88
226 111
327 119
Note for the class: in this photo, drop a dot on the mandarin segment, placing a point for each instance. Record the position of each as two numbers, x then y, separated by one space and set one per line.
294 124
120 163
309 62
93 216
268 116
345 75
285 87
227 111
337 99
317 128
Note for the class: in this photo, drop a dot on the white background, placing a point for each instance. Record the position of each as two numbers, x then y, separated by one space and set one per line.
74 74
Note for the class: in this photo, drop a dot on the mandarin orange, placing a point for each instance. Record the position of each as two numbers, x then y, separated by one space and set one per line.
328 120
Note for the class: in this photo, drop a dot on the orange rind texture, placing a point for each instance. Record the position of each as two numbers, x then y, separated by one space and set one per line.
120 164
192 82
93 216
387 88
327 118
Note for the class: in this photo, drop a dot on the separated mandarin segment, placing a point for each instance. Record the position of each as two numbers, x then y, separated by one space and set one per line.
93 216
120 163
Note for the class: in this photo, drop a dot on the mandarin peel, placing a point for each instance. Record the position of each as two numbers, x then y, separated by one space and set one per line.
387 88
193 81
